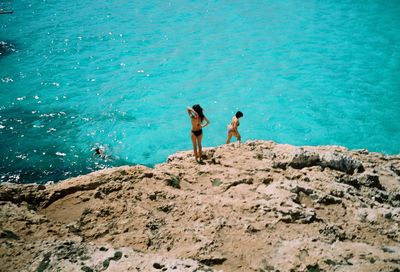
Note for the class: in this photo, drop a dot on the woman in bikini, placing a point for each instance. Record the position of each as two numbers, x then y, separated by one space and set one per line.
233 127
197 117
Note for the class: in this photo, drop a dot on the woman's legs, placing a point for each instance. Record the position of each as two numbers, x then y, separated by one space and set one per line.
199 138
228 140
232 133
237 135
194 145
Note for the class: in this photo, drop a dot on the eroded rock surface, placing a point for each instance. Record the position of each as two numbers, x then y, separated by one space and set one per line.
259 206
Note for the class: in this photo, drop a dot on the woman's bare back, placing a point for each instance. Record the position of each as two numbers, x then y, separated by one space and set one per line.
234 124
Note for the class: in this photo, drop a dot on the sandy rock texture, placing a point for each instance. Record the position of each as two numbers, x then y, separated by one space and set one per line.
259 206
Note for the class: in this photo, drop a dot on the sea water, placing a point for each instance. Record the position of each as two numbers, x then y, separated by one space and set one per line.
76 75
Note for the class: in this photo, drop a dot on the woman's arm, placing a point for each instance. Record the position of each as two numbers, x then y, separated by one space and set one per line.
191 112
207 122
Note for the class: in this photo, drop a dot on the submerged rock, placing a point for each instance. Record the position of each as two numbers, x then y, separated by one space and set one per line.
6 48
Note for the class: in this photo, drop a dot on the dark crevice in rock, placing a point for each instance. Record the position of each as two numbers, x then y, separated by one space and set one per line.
238 182
173 181
332 233
329 200
8 234
44 263
212 261
395 169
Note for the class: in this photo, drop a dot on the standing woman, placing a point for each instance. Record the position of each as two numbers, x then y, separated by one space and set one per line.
197 117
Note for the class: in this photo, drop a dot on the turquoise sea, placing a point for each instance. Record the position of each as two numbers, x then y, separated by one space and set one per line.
75 75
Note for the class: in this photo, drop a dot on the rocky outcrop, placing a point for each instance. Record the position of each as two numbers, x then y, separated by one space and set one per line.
304 158
259 206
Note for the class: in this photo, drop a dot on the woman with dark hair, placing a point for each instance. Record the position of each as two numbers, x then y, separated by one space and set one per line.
233 127
197 117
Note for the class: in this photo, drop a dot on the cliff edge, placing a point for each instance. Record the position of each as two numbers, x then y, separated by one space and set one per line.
260 206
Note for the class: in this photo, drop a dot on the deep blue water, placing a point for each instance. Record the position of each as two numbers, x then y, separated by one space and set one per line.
119 74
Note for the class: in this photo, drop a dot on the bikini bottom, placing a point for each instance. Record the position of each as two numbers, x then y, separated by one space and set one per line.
197 133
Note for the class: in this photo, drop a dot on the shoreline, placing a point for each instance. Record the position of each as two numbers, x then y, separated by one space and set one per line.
260 205
190 152
152 166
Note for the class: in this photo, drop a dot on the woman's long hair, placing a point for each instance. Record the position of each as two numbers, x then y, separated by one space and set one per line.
199 111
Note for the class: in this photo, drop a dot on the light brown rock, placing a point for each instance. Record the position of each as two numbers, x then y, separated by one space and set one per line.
259 206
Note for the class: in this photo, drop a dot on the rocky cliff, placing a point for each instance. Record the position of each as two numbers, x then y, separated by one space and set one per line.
260 206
